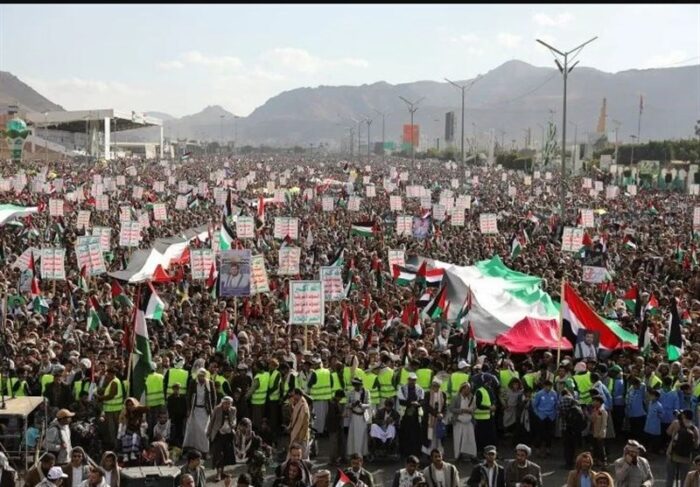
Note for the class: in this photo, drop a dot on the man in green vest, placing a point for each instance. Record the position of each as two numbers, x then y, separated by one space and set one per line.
370 381
223 388
112 400
582 379
155 397
319 386
484 425
425 375
258 394
457 379
273 398
337 381
176 375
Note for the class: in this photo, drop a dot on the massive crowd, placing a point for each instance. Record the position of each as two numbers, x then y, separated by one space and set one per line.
383 392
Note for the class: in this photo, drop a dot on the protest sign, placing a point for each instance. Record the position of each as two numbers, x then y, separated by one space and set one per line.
306 304
332 281
234 273
488 223
259 283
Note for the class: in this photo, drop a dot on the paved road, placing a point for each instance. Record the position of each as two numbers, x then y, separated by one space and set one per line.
552 472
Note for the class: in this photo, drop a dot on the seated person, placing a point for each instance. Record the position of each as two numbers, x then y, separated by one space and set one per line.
384 424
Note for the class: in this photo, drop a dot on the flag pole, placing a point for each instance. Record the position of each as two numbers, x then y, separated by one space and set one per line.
132 338
561 319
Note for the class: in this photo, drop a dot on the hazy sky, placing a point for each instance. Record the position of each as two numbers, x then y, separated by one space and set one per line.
178 59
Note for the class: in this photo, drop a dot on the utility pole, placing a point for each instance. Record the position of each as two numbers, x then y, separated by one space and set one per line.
368 121
383 133
573 158
412 108
476 151
463 89
617 126
564 70
634 139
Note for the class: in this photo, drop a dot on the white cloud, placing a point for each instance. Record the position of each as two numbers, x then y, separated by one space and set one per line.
197 58
466 39
665 60
171 65
559 20
304 62
508 40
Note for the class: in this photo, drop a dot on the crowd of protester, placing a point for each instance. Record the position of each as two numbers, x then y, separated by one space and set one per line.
385 392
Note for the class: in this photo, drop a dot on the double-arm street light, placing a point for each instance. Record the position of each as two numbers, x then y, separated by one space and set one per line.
463 89
412 108
383 115
564 69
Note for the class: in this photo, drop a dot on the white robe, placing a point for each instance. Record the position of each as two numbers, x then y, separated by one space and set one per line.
357 429
463 431
197 424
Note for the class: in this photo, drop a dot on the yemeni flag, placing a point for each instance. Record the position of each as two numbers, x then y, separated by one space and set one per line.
343 480
119 296
402 276
93 316
228 341
364 229
141 360
432 277
225 236
439 305
674 338
152 305
515 247
578 315
631 298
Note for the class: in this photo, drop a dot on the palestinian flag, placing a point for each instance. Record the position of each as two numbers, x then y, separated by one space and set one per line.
225 236
532 217
578 315
439 305
515 247
402 276
40 305
151 304
674 338
83 279
93 317
652 306
425 297
343 480
186 156
228 341
469 351
141 361
644 343
608 290
339 259
630 298
119 296
350 327
213 280
432 277
678 253
364 229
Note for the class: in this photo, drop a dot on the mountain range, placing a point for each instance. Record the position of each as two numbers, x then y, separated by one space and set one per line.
509 99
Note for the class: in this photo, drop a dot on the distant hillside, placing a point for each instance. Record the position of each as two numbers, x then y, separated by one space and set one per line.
15 92
510 99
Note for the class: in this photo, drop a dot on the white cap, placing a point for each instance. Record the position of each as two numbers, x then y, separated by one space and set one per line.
462 364
580 367
86 363
56 473
412 375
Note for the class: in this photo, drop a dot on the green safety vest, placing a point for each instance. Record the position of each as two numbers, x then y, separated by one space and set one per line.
321 390
696 390
370 382
260 395
455 382
18 386
584 385
154 390
386 384
530 379
115 404
79 387
505 376
177 376
335 386
275 393
425 376
653 381
403 377
359 373
484 411
45 380
285 384
219 380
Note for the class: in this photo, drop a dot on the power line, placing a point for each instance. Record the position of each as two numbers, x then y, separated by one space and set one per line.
505 102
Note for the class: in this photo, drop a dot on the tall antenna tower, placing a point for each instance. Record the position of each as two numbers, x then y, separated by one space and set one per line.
602 118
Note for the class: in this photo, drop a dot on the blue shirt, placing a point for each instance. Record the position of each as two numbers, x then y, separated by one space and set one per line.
670 402
584 481
653 422
545 404
618 392
635 402
605 392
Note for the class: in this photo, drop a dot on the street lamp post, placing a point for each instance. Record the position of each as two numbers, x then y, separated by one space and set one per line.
617 126
368 121
564 70
634 139
383 133
474 146
573 158
463 89
412 108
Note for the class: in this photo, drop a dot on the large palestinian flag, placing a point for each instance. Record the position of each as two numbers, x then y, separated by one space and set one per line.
502 297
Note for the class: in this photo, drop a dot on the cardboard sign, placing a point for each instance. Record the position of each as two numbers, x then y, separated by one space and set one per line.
88 252
245 227
328 203
130 234
160 213
83 219
53 264
572 239
105 236
611 192
102 203
464 201
439 212
124 214
426 202
354 203
144 220
137 193
181 202
587 218
259 283
286 226
158 187
404 225
632 189
488 223
457 219
289 258
306 303
370 191
587 183
332 280
396 257
395 203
